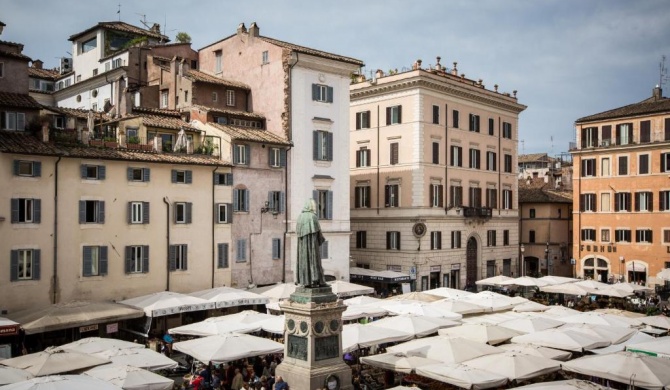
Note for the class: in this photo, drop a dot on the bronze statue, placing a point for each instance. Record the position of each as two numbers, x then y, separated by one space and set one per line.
309 272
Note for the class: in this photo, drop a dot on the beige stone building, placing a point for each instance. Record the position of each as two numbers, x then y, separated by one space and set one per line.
433 159
622 192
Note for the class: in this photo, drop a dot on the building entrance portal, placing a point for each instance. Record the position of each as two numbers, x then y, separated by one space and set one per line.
471 256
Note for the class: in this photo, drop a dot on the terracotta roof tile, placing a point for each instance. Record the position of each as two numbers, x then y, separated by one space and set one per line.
18 100
533 157
24 143
122 27
49 74
647 106
5 53
202 77
79 113
314 52
253 135
243 114
155 117
543 195
157 111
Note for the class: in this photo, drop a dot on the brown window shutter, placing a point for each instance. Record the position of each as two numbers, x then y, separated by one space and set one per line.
388 116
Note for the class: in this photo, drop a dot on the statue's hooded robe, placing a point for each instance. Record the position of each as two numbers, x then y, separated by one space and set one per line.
309 271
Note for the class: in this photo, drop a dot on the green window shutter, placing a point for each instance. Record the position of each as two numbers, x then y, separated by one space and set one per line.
247 153
282 202
276 247
37 210
102 172
101 211
87 263
236 154
236 202
246 200
103 260
189 177
15 210
130 213
145 259
229 213
271 203
83 171
129 259
315 92
37 264
14 266
185 253
16 168
315 196
229 179
223 255
271 156
282 157
189 209
172 257
216 179
315 145
37 169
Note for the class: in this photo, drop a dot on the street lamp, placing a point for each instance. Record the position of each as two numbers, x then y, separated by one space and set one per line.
546 257
621 263
523 265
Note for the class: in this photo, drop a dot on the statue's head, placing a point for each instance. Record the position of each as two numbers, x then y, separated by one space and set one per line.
310 205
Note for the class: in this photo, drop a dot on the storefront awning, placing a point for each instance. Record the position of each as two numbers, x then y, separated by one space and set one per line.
636 267
8 327
368 275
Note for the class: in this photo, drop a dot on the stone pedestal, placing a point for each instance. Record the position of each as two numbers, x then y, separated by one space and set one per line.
313 341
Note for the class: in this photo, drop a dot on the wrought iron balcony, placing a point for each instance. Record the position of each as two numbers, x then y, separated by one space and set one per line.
477 212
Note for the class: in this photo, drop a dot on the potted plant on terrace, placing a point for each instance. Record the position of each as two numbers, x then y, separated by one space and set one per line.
111 142
133 142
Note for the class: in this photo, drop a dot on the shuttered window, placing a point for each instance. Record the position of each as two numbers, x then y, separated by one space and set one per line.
223 179
454 119
394 153
363 120
137 259
26 210
392 195
27 168
91 211
240 199
223 212
322 146
138 212
276 202
93 172
94 261
276 248
436 195
393 115
456 158
183 212
24 264
222 256
436 152
322 93
182 176
277 157
241 154
324 203
241 256
178 257
139 174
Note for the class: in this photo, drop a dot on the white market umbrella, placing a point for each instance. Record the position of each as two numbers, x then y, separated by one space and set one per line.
229 347
551 279
529 306
130 378
662 322
445 349
458 306
613 292
419 309
493 281
614 334
621 313
571 384
62 382
560 311
142 358
629 368
601 319
638 337
515 366
363 311
355 336
664 274
280 292
463 376
415 296
167 302
531 324
525 281
534 350
660 346
415 325
491 301
362 300
53 361
274 325
215 325
494 318
346 289
230 297
12 375
98 344
592 284
398 362
568 288
482 333
630 287
568 340
447 292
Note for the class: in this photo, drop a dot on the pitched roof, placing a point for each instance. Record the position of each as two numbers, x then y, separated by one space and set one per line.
543 195
122 27
250 134
24 143
49 74
533 157
79 113
7 52
203 77
245 114
647 106
314 52
18 100
156 117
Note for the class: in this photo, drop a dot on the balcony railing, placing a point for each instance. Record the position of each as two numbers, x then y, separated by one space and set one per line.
477 212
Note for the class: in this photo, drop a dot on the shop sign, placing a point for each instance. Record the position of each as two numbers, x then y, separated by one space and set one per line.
9 330
89 328
455 266
394 268
435 268
412 273
112 328
598 248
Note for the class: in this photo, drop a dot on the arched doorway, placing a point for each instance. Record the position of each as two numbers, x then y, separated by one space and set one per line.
471 260
596 269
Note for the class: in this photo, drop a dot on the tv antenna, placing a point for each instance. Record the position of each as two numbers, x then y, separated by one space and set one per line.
118 12
663 72
144 21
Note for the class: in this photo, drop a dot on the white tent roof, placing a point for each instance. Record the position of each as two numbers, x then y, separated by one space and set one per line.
458 306
659 346
482 333
12 375
525 281
534 350
362 300
463 376
531 324
491 301
419 309
346 289
568 340
274 324
529 307
558 279
515 366
559 311
416 296
215 325
596 318
398 362
130 378
614 334
62 382
416 325
493 281
446 349
355 336
98 344
659 321
638 337
167 302
53 361
229 347
142 358
447 292
568 288
664 274
354 312
572 384
229 297
280 291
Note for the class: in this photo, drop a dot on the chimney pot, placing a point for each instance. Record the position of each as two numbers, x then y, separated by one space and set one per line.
254 30
241 28
657 93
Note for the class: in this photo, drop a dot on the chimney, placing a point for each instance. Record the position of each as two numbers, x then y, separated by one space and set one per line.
241 29
37 64
254 30
657 93
454 71
156 28
45 131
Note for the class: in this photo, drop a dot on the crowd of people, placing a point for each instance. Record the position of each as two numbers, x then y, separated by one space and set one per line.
244 374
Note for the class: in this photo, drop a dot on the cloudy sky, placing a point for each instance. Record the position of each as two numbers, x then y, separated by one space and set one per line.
566 58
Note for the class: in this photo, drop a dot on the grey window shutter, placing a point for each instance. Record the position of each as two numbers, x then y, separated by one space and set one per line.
224 252
282 202
315 145
236 155
103 260
14 266
315 196
82 211
189 177
172 257
130 212
329 97
329 206
271 157
146 173
430 195
129 259
189 209
236 203
398 240
271 203
145 259
145 212
275 248
246 200
185 254
329 146
220 256
37 210
87 261
315 92
129 174
37 169
16 168
229 213
83 171
37 264
247 153
229 179
244 250
216 179
102 172
282 157
101 211
15 210
174 175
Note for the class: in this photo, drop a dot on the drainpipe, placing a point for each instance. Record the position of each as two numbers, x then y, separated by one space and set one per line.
214 217
283 270
499 167
167 229
378 162
54 298
446 158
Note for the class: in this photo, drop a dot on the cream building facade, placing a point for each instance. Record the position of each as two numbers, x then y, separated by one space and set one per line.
433 159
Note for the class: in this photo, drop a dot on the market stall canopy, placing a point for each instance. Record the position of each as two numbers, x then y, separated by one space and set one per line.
72 314
631 287
491 301
416 325
8 327
660 346
345 289
493 281
534 350
530 307
398 362
215 325
515 366
568 340
481 333
572 384
445 349
592 284
619 312
415 296
664 274
447 292
230 297
278 292
553 280
98 344
165 303
363 311
273 325
130 378
660 321
601 319
614 334
12 375
229 347
531 324
525 281
629 368
362 300
568 288
357 274
559 311
53 361
638 337
419 309
355 336
495 318
458 306
62 382
141 358
463 376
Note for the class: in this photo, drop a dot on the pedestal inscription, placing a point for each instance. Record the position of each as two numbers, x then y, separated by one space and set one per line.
296 347
327 347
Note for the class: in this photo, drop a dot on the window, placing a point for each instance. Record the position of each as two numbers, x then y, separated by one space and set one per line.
622 235
531 236
178 257
507 267
491 126
164 99
182 212
587 202
139 174
324 250
89 45
589 137
456 159
93 172
362 197
322 93
454 119
392 195
215 97
230 98
645 131
665 162
507 199
91 211
505 237
490 268
436 152
666 237
475 195
589 167
116 63
223 179
218 61
137 259
26 210
223 213
588 234
643 201
222 256
436 194
185 96
27 168
531 213
138 212
643 236
241 154
604 235
393 115
507 130
2 69
474 123
605 202
324 203
667 129
361 239
474 158
94 261
78 80
363 120
394 153
435 240
265 59
108 66
436 115
323 146
276 248
491 238
643 164
492 198
456 196
363 157
455 239
623 165
240 199
508 163
24 264
605 166
393 240
241 255
622 201
624 133
491 161
182 177
664 201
